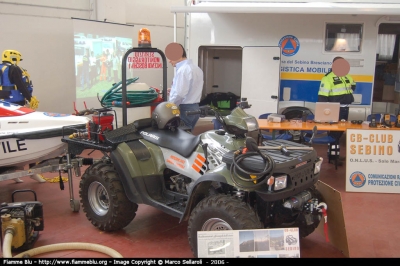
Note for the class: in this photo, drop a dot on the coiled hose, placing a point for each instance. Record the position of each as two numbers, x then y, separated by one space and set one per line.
113 97
8 237
259 178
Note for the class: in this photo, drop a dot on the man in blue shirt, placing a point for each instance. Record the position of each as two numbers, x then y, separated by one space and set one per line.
186 89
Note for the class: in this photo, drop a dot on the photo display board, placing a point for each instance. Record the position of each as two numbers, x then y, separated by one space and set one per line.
261 243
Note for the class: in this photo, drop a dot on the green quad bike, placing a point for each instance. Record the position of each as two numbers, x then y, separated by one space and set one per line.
218 180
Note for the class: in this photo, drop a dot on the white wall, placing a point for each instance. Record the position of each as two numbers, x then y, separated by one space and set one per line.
268 29
42 31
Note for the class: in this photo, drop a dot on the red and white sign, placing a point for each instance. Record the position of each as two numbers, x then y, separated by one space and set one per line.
143 60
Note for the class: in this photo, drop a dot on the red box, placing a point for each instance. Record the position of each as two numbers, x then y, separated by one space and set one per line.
105 122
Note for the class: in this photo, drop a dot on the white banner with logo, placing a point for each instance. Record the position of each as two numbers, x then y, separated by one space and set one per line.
373 161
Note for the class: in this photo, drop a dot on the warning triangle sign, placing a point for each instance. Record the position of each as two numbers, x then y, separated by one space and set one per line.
358 179
288 45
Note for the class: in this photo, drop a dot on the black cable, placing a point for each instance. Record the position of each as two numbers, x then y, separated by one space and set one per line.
61 182
219 118
267 171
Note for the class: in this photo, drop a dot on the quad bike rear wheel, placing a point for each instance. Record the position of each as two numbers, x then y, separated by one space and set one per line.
220 212
103 198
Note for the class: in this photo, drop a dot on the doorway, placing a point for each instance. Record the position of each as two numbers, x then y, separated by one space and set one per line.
231 69
387 67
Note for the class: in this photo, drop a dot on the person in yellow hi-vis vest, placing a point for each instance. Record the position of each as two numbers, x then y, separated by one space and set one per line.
15 84
337 86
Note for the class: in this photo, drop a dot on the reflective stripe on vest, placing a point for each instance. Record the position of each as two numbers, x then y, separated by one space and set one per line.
332 85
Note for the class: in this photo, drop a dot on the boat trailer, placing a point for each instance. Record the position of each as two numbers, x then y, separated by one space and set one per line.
63 164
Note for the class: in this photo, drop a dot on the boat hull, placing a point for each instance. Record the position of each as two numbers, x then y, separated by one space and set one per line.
20 152
28 136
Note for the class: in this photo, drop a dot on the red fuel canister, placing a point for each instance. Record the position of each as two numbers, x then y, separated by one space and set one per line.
104 121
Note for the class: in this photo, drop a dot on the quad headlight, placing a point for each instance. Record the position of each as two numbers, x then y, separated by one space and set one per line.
280 182
318 165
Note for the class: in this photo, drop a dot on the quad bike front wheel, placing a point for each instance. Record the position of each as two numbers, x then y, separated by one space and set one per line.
103 198
220 212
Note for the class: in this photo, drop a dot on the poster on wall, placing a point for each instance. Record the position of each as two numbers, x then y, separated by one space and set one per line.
373 160
99 48
261 243
98 61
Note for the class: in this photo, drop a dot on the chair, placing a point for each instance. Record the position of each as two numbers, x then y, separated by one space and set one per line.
266 135
296 112
322 137
308 133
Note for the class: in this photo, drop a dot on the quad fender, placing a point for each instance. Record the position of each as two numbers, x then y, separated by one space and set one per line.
135 160
201 190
